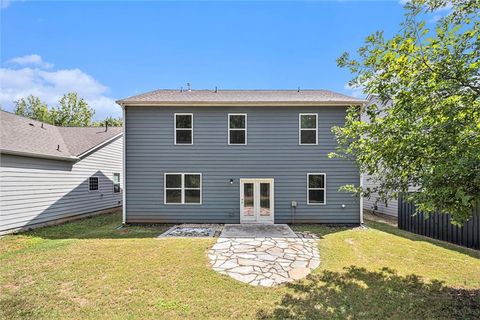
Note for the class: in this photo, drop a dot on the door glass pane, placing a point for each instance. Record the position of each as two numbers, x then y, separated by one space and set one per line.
248 202
264 199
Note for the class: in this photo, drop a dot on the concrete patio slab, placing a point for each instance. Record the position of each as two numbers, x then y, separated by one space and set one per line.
257 231
264 255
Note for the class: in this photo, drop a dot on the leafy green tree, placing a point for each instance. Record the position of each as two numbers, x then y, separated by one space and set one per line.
428 135
32 107
112 122
72 112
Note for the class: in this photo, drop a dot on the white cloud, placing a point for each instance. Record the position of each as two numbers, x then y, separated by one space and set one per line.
51 85
30 60
354 91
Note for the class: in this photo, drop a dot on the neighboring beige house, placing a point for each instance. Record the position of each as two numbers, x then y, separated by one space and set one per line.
50 174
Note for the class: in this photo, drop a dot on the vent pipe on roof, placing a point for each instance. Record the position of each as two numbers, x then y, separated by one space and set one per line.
106 125
189 86
298 89
181 89
58 147
216 89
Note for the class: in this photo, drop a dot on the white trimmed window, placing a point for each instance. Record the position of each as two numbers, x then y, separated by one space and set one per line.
183 123
183 188
308 128
116 182
316 188
93 184
237 128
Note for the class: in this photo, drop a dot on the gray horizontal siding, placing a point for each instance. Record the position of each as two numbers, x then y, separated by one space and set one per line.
391 208
36 191
272 152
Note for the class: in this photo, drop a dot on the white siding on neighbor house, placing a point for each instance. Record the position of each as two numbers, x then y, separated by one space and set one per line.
392 205
35 191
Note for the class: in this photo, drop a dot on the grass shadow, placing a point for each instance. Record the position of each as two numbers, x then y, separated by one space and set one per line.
360 294
415 237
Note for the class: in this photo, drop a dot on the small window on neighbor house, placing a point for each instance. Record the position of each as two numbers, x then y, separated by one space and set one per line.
237 128
183 128
116 182
308 128
183 188
316 190
93 184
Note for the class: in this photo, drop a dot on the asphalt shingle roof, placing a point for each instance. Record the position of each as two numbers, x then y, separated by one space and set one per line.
22 135
165 96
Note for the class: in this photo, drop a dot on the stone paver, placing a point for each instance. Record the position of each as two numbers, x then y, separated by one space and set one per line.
265 261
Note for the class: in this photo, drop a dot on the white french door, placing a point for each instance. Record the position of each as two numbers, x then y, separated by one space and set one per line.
256 201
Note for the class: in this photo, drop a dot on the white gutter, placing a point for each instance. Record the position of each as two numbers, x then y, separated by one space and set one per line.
38 155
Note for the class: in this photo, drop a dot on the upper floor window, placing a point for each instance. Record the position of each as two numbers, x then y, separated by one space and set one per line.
116 182
237 128
308 128
316 189
93 184
183 188
183 128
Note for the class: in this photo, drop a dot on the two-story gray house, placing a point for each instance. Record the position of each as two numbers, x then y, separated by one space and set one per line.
236 156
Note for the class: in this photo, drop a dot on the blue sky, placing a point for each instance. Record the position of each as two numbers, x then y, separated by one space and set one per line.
109 50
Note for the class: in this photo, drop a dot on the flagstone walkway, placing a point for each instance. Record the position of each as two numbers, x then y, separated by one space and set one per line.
264 260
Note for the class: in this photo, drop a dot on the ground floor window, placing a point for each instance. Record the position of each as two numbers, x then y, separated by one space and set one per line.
93 184
316 190
116 182
183 188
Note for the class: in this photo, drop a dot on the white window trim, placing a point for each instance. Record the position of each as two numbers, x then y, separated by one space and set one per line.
245 129
182 188
175 128
119 184
300 129
98 184
324 189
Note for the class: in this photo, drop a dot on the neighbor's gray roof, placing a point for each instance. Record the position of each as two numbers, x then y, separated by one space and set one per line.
273 97
23 136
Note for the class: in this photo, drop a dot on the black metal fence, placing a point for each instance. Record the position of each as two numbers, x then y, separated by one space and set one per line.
438 225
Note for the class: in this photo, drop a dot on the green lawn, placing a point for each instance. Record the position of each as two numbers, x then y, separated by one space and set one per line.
89 269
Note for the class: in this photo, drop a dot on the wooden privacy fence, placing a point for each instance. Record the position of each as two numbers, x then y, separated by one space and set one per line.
438 225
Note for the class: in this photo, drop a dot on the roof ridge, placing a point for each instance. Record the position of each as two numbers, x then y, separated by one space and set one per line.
297 96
